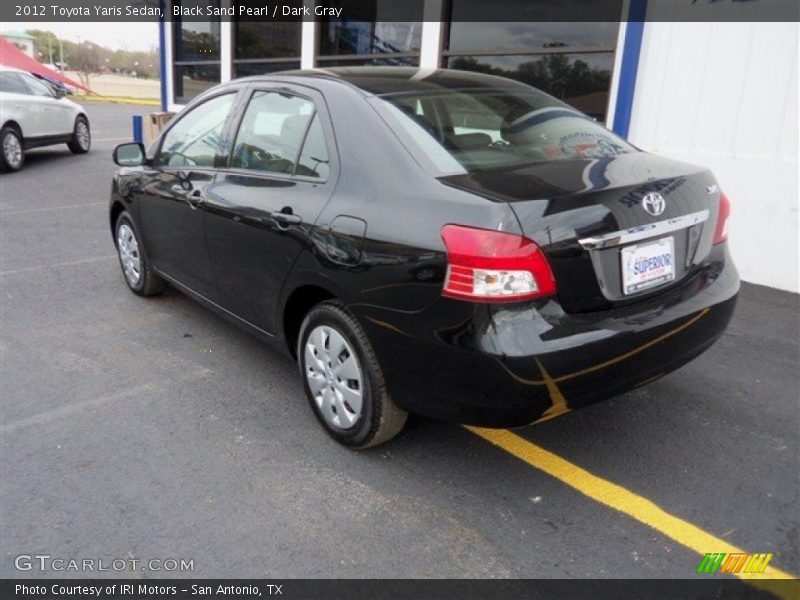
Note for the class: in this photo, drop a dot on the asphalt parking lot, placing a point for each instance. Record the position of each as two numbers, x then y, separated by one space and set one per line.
151 428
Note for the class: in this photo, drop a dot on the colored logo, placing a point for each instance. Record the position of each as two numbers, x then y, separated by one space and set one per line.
719 562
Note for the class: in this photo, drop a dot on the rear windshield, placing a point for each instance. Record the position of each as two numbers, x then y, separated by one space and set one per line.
465 131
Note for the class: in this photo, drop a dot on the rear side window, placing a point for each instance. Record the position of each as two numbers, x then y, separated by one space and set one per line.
271 133
194 139
12 84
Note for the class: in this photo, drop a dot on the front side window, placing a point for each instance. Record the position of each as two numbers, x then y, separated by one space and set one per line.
194 139
465 131
272 131
36 87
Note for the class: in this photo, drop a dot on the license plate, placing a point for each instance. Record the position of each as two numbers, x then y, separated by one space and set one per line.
648 265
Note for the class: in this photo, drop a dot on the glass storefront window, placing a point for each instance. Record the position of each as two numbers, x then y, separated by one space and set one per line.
196 49
265 47
259 39
367 28
192 80
581 80
246 69
571 61
393 61
490 37
196 40
360 37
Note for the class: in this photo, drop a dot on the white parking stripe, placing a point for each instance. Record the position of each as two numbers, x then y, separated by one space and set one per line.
48 208
58 265
70 409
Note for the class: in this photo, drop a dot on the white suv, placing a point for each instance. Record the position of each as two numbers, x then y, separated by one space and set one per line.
32 115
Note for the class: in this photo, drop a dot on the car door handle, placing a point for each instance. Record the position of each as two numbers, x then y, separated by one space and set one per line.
285 217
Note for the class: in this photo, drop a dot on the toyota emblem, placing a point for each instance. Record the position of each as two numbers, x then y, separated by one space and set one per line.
654 204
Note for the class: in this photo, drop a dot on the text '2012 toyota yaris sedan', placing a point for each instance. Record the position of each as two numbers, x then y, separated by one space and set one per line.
452 244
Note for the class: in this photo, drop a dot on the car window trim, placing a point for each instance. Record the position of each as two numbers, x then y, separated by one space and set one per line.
277 87
267 175
223 134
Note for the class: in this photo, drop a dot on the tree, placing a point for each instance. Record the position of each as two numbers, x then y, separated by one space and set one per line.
87 60
143 64
45 46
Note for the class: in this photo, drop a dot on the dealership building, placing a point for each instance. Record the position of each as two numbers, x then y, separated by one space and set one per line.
720 91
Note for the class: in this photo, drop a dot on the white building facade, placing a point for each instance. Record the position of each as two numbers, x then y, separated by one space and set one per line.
714 93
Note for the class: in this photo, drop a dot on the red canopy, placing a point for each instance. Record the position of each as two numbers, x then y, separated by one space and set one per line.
11 56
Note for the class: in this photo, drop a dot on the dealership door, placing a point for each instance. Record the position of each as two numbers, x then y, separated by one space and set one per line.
262 207
172 203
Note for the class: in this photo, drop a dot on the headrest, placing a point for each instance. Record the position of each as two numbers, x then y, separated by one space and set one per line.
467 141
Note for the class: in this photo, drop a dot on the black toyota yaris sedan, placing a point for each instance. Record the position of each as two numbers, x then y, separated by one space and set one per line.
452 244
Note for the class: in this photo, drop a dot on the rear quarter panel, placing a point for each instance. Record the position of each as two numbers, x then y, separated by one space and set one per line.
401 260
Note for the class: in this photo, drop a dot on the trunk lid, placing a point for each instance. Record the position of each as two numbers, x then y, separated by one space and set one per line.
608 224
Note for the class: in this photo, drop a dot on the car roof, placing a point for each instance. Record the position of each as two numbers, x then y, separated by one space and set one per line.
397 80
11 69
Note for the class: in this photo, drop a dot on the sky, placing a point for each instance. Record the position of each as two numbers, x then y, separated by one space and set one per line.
122 36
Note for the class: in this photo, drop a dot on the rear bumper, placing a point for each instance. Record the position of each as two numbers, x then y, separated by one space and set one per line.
510 365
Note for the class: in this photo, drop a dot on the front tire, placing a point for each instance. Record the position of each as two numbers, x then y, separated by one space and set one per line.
343 380
137 272
12 150
81 140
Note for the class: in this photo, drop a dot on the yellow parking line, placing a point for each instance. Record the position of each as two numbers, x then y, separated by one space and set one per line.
621 499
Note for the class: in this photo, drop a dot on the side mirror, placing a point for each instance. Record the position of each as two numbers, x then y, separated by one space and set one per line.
129 155
59 92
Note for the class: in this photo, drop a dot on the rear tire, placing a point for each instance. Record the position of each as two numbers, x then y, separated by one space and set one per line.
81 140
12 149
339 370
135 269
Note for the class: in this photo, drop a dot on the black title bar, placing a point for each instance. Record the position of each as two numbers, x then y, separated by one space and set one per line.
396 589
401 10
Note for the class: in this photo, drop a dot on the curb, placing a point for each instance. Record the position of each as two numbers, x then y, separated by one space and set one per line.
120 100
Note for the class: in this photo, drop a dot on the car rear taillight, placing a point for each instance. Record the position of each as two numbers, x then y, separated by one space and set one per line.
721 232
492 266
